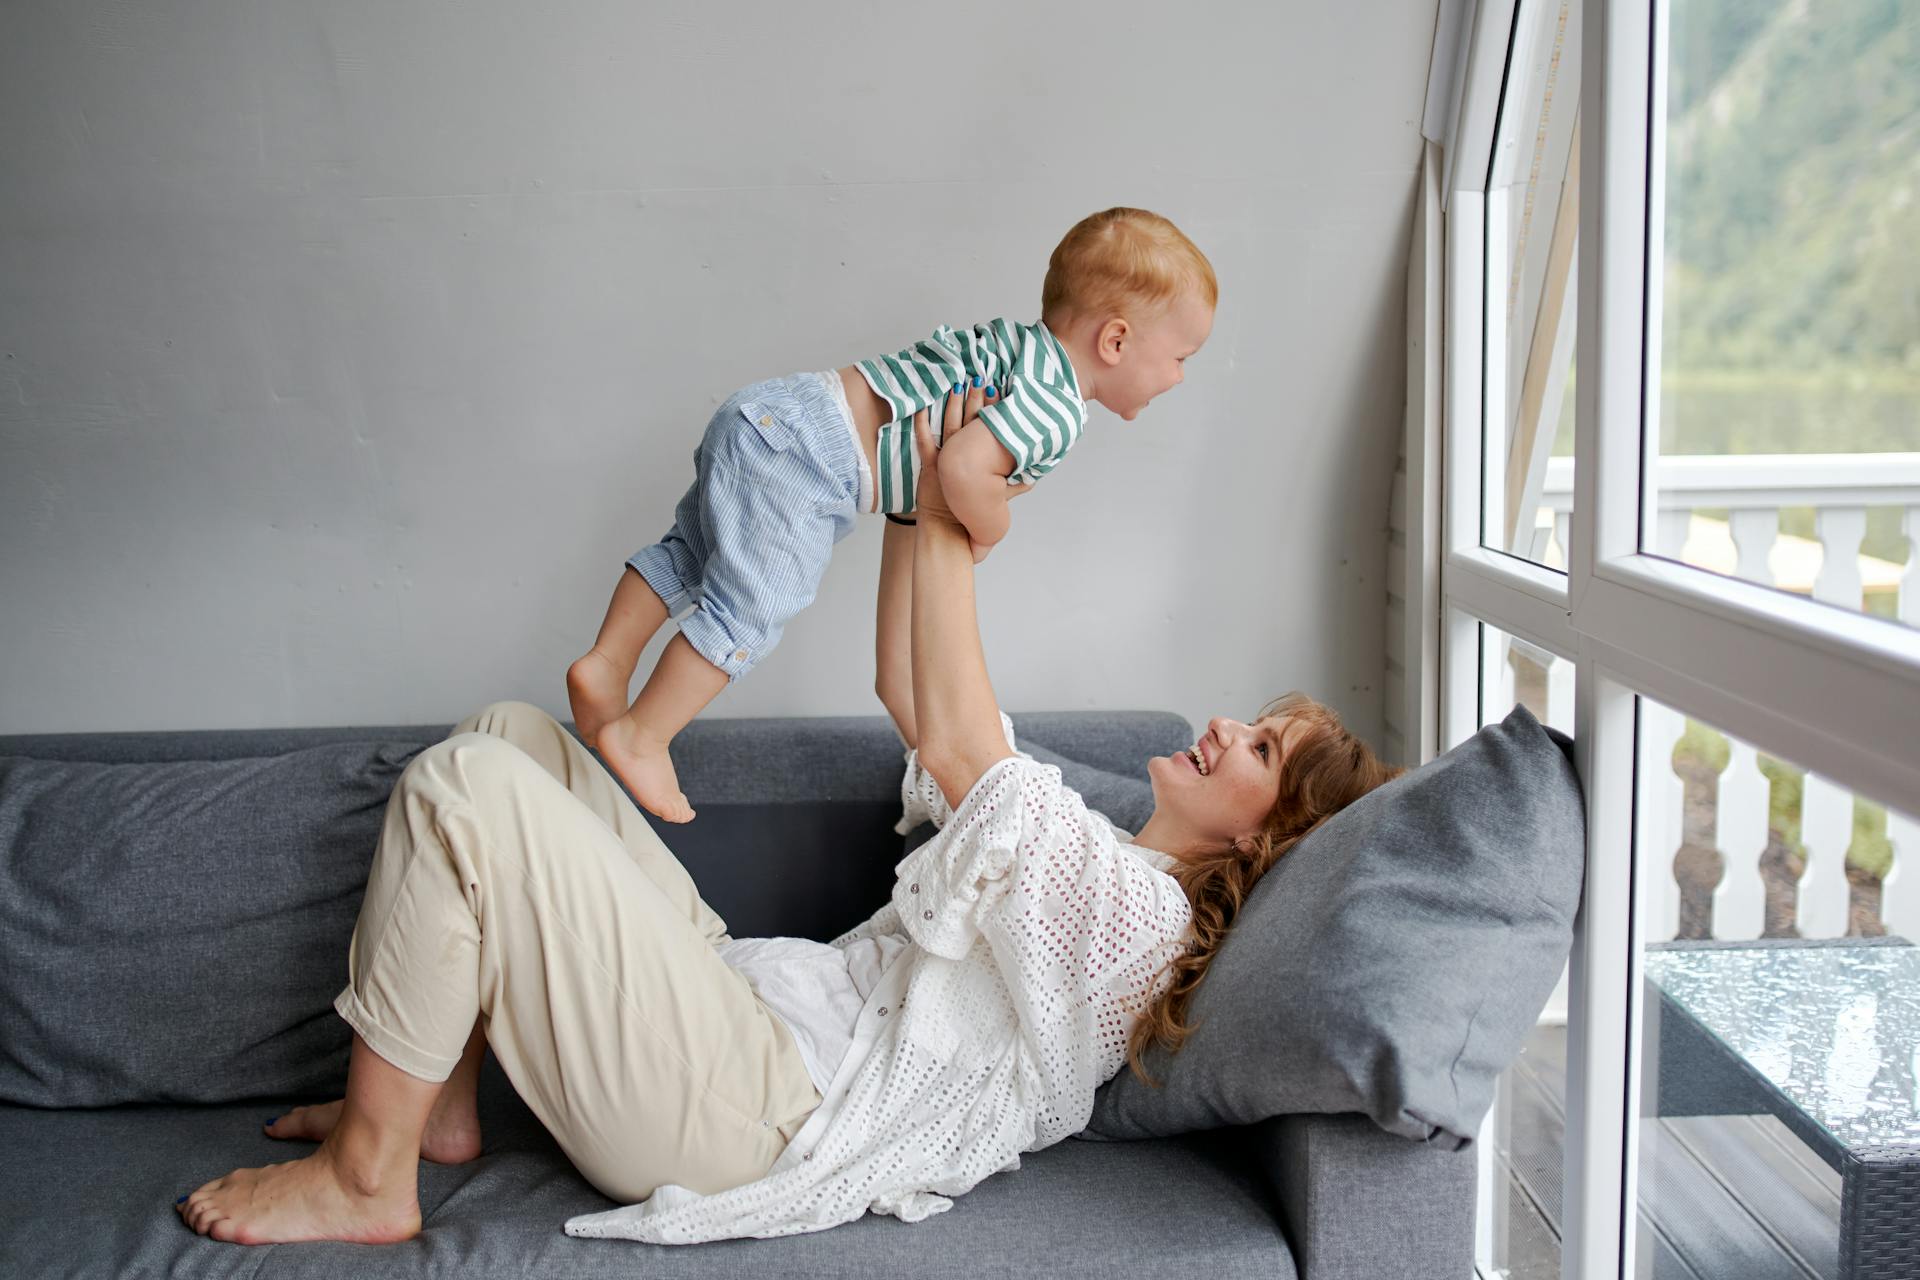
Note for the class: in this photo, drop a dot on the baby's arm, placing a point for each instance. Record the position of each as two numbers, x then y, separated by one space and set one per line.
973 473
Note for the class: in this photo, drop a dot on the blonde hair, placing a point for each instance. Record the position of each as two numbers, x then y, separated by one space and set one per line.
1326 769
1120 258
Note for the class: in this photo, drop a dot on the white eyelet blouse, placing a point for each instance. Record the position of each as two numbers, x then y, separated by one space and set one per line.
1033 935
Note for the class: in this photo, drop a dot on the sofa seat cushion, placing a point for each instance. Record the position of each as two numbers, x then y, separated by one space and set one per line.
176 931
92 1192
1391 963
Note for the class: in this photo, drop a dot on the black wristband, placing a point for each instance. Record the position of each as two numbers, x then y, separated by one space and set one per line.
898 519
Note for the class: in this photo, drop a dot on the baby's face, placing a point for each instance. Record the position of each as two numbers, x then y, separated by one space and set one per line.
1150 361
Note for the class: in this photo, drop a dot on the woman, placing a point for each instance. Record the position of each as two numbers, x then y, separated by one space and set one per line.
517 899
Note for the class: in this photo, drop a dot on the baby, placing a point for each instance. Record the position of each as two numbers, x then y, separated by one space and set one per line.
786 464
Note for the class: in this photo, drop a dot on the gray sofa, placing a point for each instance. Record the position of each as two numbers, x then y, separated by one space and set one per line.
169 965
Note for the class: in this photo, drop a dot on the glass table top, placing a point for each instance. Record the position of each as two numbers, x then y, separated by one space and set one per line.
1834 1028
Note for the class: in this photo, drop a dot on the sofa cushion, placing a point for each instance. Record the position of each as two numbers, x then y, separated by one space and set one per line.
177 931
1392 962
92 1193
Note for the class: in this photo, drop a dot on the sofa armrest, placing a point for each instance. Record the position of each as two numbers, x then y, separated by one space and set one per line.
1359 1203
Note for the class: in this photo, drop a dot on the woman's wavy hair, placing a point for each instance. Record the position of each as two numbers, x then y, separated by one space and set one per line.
1326 769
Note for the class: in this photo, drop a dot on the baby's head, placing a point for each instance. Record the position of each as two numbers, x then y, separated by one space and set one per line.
1129 297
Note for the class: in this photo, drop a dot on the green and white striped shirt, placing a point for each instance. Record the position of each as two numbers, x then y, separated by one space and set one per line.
1037 416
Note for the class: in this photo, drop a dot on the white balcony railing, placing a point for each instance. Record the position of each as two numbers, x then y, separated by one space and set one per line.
1748 544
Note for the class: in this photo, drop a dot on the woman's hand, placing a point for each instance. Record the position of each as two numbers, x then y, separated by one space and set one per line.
929 499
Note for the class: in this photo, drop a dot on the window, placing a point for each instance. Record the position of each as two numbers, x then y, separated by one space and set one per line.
1778 1028
1785 306
1693 522
1532 233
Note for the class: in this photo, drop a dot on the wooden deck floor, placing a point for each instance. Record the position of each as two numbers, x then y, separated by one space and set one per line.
1721 1198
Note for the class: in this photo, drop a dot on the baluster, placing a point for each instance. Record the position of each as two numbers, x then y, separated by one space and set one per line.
1907 604
1536 548
1560 693
1670 532
1754 533
1662 812
1840 530
1900 891
1496 675
1740 833
1826 829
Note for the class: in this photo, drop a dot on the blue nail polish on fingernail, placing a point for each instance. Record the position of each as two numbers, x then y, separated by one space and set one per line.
989 390
976 380
958 387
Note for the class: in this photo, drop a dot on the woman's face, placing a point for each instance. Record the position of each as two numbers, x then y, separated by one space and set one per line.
1227 793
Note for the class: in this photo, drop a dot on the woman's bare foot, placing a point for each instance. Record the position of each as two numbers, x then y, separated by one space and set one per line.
597 693
452 1135
317 1198
645 767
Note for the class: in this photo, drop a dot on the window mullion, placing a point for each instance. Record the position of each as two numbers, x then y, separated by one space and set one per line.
1603 981
1802 681
1616 45
1518 596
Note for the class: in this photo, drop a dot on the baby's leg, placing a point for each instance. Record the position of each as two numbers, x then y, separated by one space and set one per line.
597 682
635 745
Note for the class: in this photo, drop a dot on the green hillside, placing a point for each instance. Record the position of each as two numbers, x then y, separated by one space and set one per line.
1792 307
1793 173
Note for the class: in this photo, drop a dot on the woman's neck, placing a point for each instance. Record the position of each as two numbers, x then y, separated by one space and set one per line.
1165 835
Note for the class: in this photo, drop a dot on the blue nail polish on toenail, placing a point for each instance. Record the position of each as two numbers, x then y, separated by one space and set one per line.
272 1121
182 1199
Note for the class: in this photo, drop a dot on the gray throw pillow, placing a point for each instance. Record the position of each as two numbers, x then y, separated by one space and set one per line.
177 932
1125 801
1392 963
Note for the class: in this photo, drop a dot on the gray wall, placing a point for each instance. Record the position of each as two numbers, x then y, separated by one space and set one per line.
347 349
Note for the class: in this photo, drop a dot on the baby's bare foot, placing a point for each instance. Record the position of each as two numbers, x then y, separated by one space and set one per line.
310 1199
452 1135
597 692
646 769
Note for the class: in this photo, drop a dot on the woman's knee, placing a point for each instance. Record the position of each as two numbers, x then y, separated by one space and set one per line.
463 764
500 719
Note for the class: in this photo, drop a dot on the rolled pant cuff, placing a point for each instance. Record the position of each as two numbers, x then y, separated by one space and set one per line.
434 1068
656 568
709 638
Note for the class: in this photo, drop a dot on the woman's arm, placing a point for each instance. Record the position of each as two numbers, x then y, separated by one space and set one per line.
892 635
957 716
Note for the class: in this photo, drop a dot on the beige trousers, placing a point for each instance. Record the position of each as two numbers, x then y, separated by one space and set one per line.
517 884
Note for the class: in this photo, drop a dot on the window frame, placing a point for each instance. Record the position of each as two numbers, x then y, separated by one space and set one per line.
1834 692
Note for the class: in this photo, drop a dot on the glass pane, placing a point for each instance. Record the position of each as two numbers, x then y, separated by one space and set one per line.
1781 1004
1788 319
1522 1140
1533 217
